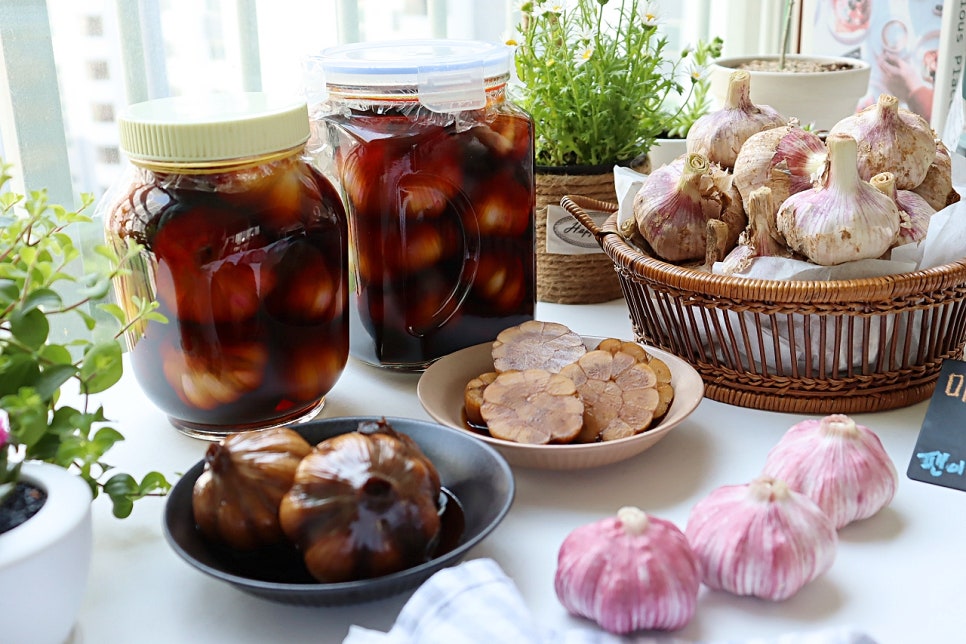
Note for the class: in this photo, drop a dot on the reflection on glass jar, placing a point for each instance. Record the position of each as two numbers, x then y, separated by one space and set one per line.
440 195
247 257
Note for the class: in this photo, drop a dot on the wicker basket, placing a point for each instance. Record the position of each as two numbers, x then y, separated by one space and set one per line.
839 346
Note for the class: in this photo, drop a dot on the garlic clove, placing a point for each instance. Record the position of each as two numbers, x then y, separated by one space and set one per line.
629 572
893 139
839 464
720 134
786 159
914 211
842 218
673 206
761 539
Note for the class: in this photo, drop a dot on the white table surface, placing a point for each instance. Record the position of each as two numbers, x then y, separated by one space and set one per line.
898 576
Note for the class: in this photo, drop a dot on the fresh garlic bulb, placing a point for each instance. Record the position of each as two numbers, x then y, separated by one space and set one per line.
720 134
787 159
937 188
674 204
629 572
843 218
893 139
760 239
840 465
914 211
761 539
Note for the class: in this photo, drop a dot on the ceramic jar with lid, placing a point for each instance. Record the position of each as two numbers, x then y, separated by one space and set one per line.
243 244
436 168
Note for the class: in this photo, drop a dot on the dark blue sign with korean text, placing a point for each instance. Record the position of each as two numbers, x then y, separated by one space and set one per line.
940 454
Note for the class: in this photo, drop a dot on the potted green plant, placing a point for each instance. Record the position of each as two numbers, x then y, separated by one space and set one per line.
595 76
817 90
52 454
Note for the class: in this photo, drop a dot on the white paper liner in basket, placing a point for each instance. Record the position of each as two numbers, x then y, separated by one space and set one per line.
945 242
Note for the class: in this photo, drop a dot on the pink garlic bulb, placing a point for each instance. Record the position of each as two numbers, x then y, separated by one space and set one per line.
840 465
629 572
892 139
674 204
786 159
914 211
720 134
761 539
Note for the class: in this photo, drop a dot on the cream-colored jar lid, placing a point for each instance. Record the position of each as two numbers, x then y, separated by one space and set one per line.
212 127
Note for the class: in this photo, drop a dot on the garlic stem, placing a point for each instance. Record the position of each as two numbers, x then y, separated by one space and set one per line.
634 520
767 489
738 96
838 425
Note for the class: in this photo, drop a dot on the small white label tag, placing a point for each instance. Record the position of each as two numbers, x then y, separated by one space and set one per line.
567 236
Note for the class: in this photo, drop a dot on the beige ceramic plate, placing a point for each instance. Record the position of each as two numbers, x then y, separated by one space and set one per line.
440 391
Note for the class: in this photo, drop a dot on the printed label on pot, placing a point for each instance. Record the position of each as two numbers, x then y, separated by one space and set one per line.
567 236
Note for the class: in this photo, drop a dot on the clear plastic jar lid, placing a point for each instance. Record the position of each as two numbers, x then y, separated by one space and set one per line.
212 127
444 75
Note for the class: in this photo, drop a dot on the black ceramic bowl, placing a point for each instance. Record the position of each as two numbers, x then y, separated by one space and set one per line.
475 477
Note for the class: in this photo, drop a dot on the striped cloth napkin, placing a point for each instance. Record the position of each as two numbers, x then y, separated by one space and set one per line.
476 603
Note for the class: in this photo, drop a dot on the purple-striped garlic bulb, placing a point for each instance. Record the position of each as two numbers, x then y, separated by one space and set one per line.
629 572
761 539
914 211
675 202
843 218
720 134
893 139
839 464
786 159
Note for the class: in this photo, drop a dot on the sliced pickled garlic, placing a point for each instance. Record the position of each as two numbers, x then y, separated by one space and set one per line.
532 406
619 394
473 397
222 376
536 345
664 387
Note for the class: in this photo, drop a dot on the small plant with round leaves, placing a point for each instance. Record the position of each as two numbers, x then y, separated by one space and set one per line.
44 281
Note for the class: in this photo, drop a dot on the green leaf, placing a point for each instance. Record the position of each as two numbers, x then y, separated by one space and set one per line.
98 286
43 297
153 482
114 311
102 366
17 371
30 329
52 378
105 438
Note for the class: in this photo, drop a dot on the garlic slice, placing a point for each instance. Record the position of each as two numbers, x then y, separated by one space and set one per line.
761 539
839 464
629 572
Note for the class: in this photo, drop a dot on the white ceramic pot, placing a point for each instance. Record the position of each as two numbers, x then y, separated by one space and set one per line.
821 98
665 150
44 562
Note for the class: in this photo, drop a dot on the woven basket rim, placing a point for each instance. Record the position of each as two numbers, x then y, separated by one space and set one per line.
870 289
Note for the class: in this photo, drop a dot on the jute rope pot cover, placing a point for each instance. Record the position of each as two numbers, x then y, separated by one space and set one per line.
589 276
